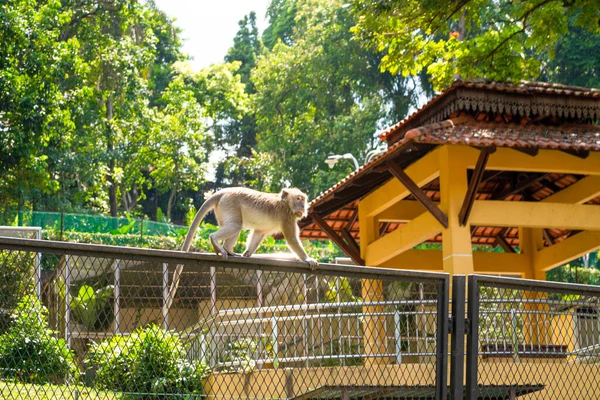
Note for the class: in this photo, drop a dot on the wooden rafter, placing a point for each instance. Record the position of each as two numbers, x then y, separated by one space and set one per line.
418 193
502 242
547 237
530 151
577 153
352 220
519 187
347 236
348 249
474 182
383 228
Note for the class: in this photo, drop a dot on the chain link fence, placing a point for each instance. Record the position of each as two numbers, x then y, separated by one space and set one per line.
540 340
67 222
108 323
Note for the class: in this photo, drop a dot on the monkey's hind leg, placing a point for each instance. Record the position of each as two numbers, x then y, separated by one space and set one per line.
226 232
229 244
253 242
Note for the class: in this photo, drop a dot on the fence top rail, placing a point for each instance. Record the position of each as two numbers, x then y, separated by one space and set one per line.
20 228
213 260
534 285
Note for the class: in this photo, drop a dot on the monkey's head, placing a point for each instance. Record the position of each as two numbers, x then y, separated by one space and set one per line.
296 200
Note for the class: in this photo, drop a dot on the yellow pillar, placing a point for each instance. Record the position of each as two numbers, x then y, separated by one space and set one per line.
457 254
372 291
536 317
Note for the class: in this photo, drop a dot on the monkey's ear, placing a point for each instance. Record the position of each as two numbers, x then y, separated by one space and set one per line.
284 194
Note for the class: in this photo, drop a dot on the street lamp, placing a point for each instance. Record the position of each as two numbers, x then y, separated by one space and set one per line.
332 159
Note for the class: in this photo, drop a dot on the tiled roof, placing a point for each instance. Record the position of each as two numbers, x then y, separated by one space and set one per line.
474 133
523 88
464 130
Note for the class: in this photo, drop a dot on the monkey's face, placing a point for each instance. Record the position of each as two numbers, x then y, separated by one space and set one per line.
296 200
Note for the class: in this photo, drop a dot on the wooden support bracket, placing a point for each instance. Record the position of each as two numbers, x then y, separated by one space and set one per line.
476 178
348 249
418 193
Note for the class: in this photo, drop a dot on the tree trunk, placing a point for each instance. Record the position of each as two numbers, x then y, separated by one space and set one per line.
171 201
110 176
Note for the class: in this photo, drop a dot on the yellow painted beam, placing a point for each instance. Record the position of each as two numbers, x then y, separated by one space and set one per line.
507 159
422 260
402 211
567 250
500 263
536 215
484 262
580 192
404 238
421 172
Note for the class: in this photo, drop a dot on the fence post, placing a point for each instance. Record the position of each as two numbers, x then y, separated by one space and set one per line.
441 370
67 302
165 309
117 303
457 340
38 268
275 343
472 338
398 336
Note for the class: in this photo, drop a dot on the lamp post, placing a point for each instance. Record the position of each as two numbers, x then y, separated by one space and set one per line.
333 159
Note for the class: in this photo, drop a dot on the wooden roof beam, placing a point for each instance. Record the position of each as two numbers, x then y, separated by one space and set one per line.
348 249
577 153
418 193
516 189
474 182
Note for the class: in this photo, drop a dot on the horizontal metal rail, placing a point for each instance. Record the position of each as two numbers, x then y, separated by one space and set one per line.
206 259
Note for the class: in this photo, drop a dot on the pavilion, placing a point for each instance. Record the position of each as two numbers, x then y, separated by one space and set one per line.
482 166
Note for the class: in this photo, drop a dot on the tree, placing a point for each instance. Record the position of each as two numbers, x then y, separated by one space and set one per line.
322 93
496 40
577 59
282 14
32 65
175 152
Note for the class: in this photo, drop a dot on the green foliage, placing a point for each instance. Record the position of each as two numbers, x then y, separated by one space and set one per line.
498 40
241 354
319 93
339 289
91 308
30 352
16 277
150 361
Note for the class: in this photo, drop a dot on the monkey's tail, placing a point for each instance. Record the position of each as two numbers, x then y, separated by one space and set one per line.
202 211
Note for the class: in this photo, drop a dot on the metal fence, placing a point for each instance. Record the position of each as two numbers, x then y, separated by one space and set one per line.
530 338
107 324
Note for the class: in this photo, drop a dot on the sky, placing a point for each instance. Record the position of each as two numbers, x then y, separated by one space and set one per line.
209 26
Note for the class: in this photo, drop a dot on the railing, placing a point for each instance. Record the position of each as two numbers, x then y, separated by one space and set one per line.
545 336
324 332
106 319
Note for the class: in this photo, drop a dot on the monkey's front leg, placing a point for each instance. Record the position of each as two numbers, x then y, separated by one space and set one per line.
292 237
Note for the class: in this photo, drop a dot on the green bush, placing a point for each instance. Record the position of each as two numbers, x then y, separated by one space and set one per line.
30 351
16 277
150 361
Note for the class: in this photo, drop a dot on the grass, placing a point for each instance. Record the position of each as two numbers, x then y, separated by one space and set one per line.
12 390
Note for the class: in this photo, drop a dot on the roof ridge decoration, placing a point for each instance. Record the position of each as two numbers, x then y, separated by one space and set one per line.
524 99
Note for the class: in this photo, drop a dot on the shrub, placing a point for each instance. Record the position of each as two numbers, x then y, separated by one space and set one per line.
150 361
30 351
16 277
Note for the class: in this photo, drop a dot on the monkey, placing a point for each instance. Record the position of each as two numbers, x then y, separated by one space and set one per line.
264 213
